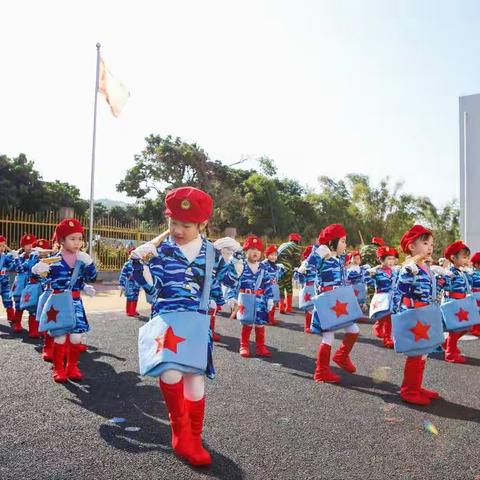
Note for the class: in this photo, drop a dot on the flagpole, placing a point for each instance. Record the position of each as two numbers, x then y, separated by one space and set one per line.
92 176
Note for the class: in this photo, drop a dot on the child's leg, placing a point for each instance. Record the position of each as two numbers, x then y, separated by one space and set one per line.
261 350
452 352
73 355
7 299
59 347
410 391
342 355
323 372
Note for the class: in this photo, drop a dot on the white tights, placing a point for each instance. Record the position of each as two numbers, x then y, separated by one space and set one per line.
74 338
193 384
328 337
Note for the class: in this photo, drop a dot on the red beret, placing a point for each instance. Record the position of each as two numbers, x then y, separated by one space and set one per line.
42 243
66 227
130 250
308 250
386 251
253 242
295 237
271 249
332 232
350 255
454 248
27 239
378 241
188 204
409 237
3 239
475 258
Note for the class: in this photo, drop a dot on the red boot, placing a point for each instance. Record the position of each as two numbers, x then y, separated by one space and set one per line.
33 327
130 308
452 352
215 335
475 331
387 332
179 418
323 372
271 317
17 322
282 306
245 340
308 322
134 308
59 374
47 352
377 329
10 314
431 394
196 411
289 306
341 357
260 349
72 371
82 347
412 380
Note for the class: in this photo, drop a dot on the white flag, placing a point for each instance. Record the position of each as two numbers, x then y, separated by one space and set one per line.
114 91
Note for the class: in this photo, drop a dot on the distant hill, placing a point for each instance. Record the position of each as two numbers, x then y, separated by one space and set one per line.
112 203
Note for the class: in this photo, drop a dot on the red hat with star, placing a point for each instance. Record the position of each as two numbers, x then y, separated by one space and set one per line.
454 248
350 255
66 227
295 237
386 251
3 239
42 243
271 249
27 239
188 204
411 235
475 258
253 242
379 241
307 251
332 232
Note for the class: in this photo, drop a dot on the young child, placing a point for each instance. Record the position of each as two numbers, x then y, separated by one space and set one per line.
23 269
129 286
358 277
326 266
289 256
384 279
456 287
8 263
178 266
276 271
416 287
300 278
69 233
254 280
474 276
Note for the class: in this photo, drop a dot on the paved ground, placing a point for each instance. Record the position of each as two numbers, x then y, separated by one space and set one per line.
266 419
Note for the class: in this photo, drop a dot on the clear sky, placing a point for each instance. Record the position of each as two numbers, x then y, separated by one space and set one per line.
322 87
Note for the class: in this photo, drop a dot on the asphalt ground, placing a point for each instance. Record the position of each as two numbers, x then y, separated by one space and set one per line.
266 419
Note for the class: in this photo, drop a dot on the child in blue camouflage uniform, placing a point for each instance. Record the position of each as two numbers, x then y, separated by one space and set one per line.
130 287
326 266
255 280
177 261
456 287
358 277
384 279
474 275
69 233
301 280
8 263
23 268
416 288
276 271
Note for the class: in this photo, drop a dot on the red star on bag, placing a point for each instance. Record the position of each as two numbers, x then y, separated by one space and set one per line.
27 297
357 292
462 315
340 308
241 309
52 314
168 341
307 297
420 330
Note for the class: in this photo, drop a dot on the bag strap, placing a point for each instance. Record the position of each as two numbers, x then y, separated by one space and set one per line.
75 274
259 281
2 260
207 284
467 283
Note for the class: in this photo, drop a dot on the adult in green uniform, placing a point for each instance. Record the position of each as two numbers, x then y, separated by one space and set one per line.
290 256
